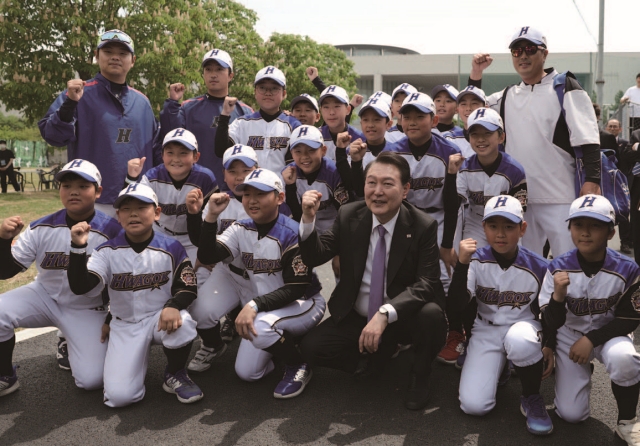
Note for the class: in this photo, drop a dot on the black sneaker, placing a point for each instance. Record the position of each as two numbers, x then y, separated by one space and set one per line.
63 354
228 329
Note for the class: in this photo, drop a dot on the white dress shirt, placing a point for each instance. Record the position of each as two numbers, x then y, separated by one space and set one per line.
362 301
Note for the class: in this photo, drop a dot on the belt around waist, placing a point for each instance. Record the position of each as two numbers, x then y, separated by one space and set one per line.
431 210
239 271
170 231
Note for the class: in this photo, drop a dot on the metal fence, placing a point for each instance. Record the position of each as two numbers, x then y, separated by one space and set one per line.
29 153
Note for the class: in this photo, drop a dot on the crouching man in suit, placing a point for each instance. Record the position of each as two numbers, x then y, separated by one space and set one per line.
389 291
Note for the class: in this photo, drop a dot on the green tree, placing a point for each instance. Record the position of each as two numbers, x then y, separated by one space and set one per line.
293 54
44 43
15 128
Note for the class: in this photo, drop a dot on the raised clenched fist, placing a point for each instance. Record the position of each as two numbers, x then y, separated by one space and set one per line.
229 105
357 149
176 91
194 201
467 249
561 283
11 227
80 233
310 204
480 62
312 73
289 175
455 162
356 100
75 89
217 203
343 140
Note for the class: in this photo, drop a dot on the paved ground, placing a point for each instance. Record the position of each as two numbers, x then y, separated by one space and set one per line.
49 409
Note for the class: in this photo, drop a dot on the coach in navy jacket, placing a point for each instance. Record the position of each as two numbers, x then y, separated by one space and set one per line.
413 296
109 122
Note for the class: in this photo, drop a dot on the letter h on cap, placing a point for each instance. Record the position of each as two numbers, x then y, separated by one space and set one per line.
269 70
588 202
303 131
480 113
131 188
524 31
255 174
331 89
178 132
75 163
414 97
501 202
237 149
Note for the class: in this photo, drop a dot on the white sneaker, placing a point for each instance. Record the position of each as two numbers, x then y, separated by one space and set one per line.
629 431
204 357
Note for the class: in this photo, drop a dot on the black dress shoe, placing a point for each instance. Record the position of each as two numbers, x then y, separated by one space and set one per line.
417 393
367 370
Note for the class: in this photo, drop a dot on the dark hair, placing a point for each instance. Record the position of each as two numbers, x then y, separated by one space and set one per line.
611 225
638 76
596 108
392 159
217 63
432 114
179 144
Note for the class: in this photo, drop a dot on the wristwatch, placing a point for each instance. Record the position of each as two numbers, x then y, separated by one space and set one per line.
253 305
384 311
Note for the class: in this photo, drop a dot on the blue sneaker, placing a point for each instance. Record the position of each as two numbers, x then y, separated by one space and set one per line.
463 355
295 379
9 384
505 376
181 385
538 420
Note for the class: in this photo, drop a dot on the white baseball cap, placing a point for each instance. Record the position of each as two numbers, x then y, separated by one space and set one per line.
485 117
403 88
308 135
181 136
272 73
220 56
382 95
82 168
337 92
421 101
246 154
116 36
504 206
262 179
451 91
379 105
528 33
304 97
592 206
138 191
475 91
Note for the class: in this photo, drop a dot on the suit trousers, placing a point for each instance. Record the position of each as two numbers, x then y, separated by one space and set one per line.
334 344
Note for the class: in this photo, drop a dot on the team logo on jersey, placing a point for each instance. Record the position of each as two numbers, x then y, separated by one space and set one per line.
478 198
173 209
55 260
427 183
278 143
581 306
188 276
261 266
215 121
124 135
521 195
341 195
224 224
129 282
514 299
635 299
299 268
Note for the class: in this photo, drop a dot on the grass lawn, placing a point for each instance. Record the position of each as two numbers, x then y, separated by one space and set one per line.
30 206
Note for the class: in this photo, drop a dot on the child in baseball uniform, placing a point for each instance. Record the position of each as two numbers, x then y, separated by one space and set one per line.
469 99
151 283
587 307
238 162
398 95
504 279
48 301
334 108
486 174
305 109
445 97
268 130
173 180
280 295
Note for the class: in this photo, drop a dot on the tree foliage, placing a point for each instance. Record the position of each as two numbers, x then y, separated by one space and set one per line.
293 54
15 128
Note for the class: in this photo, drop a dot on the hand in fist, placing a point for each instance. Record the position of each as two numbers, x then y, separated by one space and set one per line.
561 283
75 89
229 105
80 233
312 73
194 201
217 203
290 175
343 140
135 166
468 248
357 149
11 227
310 204
455 162
176 91
480 62
356 100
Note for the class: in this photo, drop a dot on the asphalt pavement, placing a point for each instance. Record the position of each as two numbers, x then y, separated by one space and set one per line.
334 410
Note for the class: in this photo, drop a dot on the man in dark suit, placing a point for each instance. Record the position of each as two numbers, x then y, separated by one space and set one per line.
385 296
631 156
614 127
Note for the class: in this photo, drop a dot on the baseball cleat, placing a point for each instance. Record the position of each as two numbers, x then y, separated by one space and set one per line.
462 356
629 431
228 329
205 356
181 386
452 349
295 379
9 384
62 354
538 420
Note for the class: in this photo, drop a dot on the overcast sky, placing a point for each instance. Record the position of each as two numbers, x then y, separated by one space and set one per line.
453 26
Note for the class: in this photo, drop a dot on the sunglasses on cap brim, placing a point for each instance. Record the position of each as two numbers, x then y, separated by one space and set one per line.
116 35
529 50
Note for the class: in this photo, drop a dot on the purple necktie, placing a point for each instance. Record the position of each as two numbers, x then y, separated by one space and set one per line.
376 291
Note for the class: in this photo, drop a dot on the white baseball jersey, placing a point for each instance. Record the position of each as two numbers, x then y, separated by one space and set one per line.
270 140
173 219
47 242
369 156
331 146
506 296
140 284
456 136
591 301
329 183
394 134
